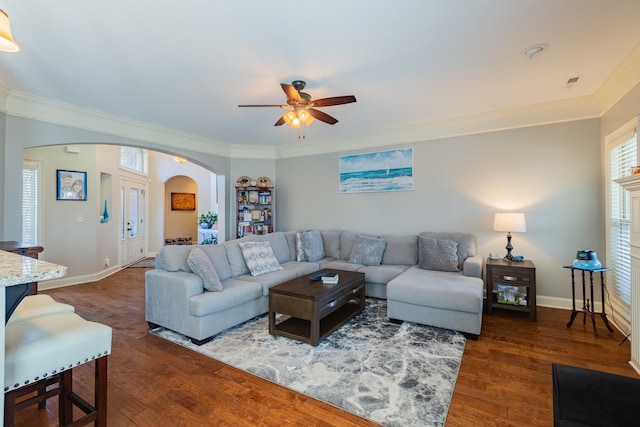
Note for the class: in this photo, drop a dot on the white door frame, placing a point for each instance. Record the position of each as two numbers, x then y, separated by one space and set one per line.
128 181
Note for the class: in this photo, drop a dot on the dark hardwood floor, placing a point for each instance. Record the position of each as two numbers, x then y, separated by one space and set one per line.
504 380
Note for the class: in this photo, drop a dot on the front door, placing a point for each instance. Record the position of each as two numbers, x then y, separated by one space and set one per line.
133 229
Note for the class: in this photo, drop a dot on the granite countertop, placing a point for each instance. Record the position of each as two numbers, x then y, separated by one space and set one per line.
16 269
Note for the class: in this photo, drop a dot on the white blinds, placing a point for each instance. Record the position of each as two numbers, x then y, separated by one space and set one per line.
622 156
30 203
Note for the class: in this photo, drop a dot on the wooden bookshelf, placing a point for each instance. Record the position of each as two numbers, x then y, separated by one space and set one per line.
254 212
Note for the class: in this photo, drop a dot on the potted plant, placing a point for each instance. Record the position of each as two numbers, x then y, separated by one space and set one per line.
207 220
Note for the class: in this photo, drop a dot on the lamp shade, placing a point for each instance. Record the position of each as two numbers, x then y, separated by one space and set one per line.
509 221
7 44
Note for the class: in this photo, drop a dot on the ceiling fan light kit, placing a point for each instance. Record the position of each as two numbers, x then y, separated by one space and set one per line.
296 117
303 108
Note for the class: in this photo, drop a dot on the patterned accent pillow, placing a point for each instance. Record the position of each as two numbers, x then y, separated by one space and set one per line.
313 245
201 265
259 257
367 250
300 255
437 254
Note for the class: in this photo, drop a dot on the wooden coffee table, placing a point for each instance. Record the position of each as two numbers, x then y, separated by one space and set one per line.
312 310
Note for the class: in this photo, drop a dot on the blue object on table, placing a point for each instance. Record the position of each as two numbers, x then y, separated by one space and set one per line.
587 259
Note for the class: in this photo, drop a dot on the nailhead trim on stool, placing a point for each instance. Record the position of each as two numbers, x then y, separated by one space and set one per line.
46 349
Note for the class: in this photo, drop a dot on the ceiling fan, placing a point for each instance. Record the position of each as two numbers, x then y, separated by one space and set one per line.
303 108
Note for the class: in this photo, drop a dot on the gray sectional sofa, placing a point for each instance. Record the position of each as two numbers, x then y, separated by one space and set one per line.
430 278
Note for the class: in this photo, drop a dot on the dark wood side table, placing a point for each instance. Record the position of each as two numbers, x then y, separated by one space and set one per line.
512 286
588 305
24 250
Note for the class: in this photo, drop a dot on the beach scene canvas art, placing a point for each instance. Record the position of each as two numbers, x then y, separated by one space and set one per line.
390 170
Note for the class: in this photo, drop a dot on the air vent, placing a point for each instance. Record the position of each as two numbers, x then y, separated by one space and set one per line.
572 81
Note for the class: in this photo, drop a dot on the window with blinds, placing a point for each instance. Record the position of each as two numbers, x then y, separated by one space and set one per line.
30 203
622 153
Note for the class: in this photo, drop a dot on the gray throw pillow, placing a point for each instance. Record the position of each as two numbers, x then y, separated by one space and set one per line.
174 257
437 254
313 246
259 257
367 250
201 265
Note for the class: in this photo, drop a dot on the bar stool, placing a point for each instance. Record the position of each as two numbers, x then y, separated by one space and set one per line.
45 350
31 307
38 305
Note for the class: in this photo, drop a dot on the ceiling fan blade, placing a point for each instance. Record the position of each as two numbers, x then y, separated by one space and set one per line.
323 117
265 105
334 100
280 122
292 92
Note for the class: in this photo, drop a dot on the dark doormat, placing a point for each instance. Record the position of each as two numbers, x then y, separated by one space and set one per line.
145 263
584 397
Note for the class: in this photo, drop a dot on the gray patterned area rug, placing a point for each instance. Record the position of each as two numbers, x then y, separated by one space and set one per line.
394 375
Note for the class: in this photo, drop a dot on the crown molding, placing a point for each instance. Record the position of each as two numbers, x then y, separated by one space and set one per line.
4 94
260 152
28 106
582 108
624 78
620 82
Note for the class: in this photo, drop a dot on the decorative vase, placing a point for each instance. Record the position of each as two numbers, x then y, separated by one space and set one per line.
205 225
105 214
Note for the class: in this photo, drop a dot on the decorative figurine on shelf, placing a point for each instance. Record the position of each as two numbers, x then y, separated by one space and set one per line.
242 197
264 182
243 181
104 218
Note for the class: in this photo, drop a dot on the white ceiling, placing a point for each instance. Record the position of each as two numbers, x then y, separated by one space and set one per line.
186 65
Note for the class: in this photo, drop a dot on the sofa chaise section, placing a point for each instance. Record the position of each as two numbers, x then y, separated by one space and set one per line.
450 299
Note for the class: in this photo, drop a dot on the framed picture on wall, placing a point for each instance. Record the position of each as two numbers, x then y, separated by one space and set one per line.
72 185
390 170
183 201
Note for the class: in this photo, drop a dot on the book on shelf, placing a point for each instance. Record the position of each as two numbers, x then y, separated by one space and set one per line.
245 228
264 197
330 279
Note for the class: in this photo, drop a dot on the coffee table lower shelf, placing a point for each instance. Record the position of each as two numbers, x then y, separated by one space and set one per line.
300 329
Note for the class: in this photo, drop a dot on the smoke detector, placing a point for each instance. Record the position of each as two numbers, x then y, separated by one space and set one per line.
534 50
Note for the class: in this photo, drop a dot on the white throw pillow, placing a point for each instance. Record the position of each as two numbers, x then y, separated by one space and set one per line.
201 265
259 257
300 255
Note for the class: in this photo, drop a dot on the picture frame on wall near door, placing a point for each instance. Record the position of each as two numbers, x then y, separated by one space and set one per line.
71 185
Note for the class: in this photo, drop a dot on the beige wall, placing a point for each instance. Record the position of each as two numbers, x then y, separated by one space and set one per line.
179 223
552 173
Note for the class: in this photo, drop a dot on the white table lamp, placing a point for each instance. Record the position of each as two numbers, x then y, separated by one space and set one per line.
509 221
